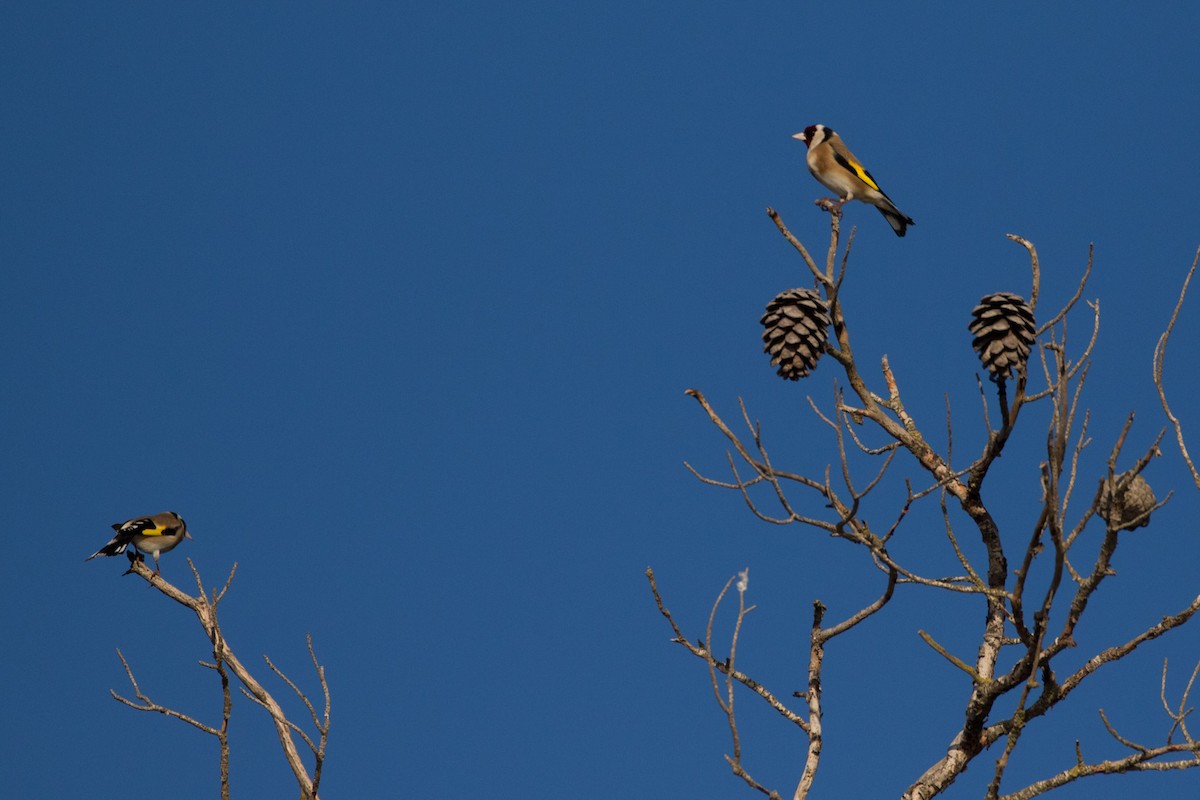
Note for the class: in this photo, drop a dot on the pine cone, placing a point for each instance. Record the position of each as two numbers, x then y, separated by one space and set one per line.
797 323
1136 499
1004 331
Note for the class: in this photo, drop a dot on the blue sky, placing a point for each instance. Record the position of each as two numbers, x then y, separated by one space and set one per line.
396 305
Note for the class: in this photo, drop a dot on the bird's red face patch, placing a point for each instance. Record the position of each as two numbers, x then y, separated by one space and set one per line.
806 135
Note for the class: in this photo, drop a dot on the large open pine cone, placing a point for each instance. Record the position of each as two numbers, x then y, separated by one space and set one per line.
1004 331
1136 499
797 324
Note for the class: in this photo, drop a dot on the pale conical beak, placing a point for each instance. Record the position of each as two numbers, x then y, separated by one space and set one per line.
800 136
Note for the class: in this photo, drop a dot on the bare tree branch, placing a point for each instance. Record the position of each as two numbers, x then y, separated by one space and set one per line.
701 651
1025 679
1179 715
1160 357
205 609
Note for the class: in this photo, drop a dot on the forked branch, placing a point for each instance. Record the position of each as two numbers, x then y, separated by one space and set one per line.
204 606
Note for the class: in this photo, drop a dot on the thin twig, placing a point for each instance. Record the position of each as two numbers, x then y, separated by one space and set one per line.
1160 357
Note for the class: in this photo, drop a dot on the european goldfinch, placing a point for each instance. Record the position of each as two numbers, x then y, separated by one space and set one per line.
832 163
154 535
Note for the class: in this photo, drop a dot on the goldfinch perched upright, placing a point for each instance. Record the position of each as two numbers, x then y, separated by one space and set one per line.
832 163
154 535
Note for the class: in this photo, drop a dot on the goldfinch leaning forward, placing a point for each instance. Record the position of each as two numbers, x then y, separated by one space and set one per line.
154 535
832 163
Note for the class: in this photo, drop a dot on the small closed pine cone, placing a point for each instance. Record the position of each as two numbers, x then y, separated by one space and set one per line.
1004 331
797 325
1135 500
